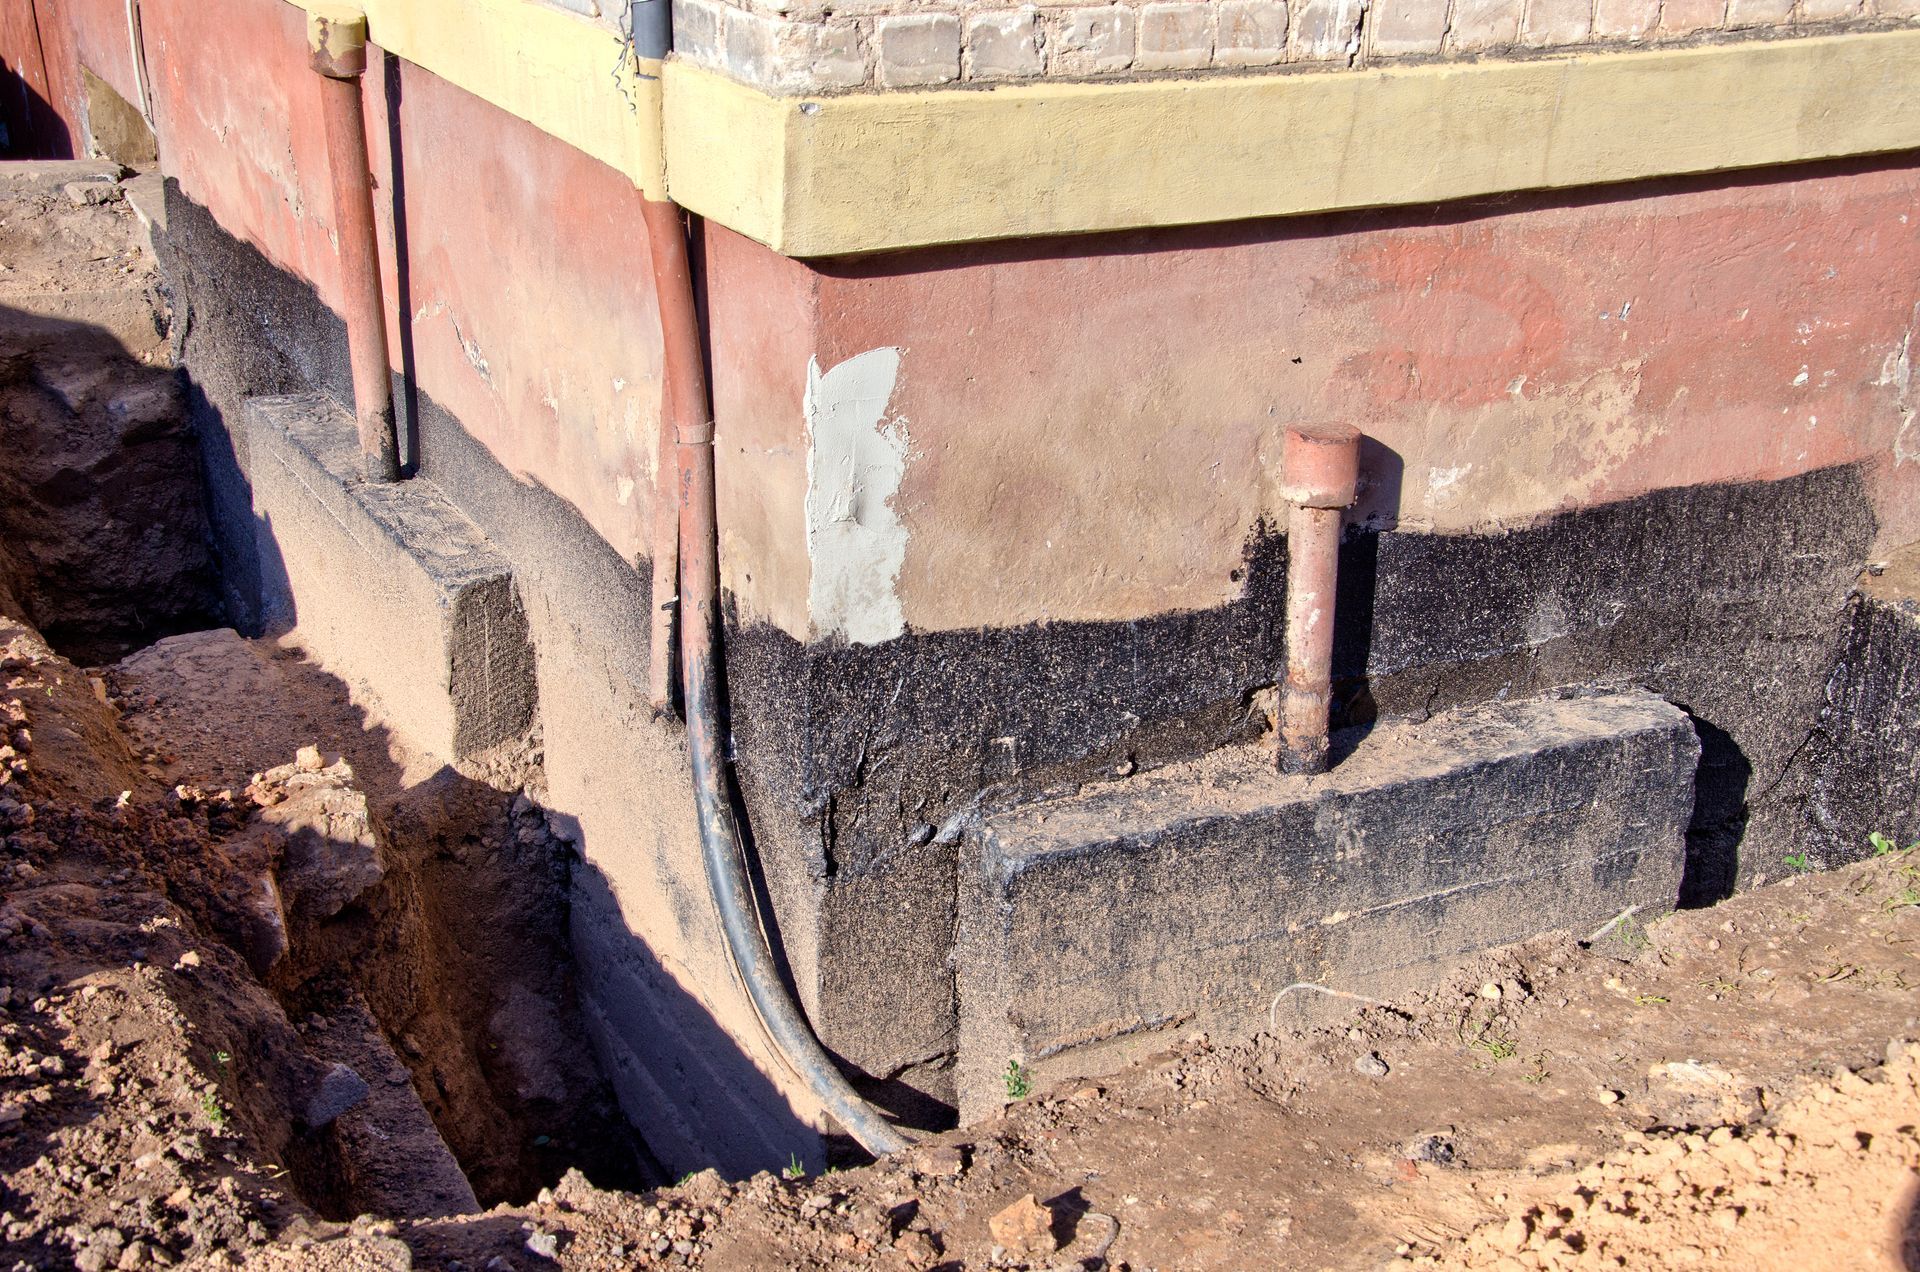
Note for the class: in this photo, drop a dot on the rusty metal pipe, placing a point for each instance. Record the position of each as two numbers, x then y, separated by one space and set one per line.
684 407
1320 474
337 40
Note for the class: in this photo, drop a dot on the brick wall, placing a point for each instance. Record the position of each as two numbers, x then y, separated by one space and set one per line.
808 46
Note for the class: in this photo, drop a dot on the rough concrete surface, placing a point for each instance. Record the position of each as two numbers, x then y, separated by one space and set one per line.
1197 893
390 584
1866 753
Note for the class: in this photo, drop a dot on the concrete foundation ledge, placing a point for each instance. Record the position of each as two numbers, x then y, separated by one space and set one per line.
390 585
1190 896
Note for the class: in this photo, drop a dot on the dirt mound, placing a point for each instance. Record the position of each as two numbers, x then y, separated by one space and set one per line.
1831 1182
228 1013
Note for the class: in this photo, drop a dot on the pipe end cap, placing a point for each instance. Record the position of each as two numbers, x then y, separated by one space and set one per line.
337 39
1321 468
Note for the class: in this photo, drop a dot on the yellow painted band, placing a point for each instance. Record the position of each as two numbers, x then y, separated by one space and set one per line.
875 171
335 30
557 71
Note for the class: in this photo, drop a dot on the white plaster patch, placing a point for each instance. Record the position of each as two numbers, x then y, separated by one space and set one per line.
1441 481
855 460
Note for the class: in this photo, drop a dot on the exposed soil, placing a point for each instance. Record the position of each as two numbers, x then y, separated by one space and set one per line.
103 536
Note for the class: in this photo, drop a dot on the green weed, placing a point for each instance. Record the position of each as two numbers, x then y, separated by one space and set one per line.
1019 1081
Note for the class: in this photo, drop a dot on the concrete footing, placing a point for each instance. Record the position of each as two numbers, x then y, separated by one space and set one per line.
390 585
1190 896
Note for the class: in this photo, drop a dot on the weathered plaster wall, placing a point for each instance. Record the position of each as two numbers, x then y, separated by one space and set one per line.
525 305
1091 425
100 40
992 517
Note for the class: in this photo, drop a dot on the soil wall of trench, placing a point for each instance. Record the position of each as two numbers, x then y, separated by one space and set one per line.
372 946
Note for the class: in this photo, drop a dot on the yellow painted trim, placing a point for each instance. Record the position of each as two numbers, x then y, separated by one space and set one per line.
881 170
553 69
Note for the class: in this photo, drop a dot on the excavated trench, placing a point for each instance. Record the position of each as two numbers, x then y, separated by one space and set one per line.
404 1036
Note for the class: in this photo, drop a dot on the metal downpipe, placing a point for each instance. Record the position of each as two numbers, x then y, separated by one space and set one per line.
337 41
1320 474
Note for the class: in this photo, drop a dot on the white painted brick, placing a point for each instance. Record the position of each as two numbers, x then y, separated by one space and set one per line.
1758 13
1897 8
1625 19
1324 30
1096 41
1174 37
1554 23
1251 33
699 31
1484 24
1828 10
825 57
1683 17
920 49
1398 28
749 46
1005 45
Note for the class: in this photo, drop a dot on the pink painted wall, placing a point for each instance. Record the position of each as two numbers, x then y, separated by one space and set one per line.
532 312
1092 423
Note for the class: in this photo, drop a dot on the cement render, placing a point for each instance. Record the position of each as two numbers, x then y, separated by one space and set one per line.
390 585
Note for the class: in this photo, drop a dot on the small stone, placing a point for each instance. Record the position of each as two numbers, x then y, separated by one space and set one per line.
942 1161
544 1244
187 961
1490 991
340 1090
307 759
1370 1066
1026 1227
1438 1150
11 1116
1606 1095
917 1247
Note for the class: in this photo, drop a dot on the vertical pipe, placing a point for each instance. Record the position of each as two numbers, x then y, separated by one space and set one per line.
1321 471
722 850
684 411
337 39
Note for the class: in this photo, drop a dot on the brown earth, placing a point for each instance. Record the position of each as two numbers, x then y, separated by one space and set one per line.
103 544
